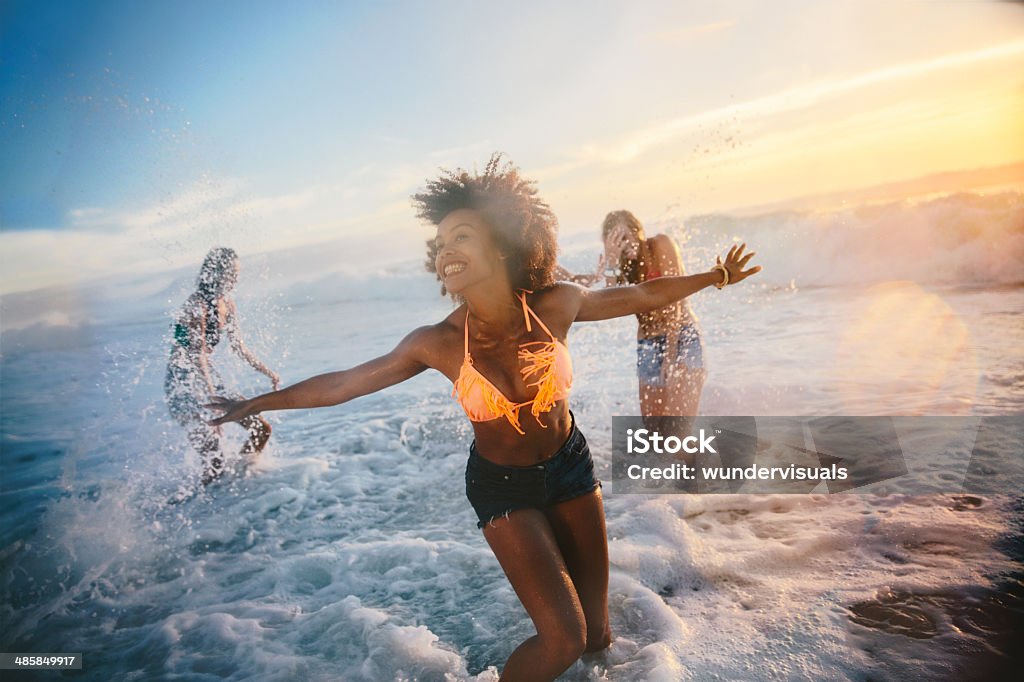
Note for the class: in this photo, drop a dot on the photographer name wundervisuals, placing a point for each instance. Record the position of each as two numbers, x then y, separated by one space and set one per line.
685 472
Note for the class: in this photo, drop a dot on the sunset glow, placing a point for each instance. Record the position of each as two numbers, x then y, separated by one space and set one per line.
137 149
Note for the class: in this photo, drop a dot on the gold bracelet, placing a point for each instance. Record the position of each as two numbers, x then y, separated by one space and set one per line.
725 271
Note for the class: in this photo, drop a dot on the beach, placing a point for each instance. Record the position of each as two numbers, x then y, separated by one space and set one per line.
348 549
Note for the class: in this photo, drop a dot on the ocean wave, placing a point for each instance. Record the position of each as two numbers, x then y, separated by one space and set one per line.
959 239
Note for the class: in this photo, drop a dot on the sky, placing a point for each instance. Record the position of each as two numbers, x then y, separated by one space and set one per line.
136 135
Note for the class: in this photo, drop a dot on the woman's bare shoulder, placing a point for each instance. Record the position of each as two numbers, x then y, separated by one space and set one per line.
557 304
561 291
440 334
666 255
436 344
663 243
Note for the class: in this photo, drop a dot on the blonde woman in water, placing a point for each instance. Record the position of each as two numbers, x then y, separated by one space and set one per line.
669 344
191 378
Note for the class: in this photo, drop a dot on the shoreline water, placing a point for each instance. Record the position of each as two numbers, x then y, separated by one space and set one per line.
334 554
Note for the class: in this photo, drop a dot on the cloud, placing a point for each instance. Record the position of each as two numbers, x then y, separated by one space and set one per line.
176 230
192 204
631 145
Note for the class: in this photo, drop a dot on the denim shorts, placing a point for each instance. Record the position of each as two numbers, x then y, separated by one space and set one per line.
651 352
495 490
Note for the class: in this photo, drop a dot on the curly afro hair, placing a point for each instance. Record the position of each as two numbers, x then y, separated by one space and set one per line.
522 225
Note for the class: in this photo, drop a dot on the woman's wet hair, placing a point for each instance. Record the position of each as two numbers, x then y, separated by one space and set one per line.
629 267
217 271
522 225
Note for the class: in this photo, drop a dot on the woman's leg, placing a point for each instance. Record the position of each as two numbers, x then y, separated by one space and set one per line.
654 400
259 431
650 358
683 390
528 551
206 442
580 531
685 373
669 406
184 404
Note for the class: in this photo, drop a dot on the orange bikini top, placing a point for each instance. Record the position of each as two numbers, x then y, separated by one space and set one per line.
547 362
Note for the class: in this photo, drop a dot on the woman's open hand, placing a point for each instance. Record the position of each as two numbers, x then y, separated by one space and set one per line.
735 261
233 410
618 244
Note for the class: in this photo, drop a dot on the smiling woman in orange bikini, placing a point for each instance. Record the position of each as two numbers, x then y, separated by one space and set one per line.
530 477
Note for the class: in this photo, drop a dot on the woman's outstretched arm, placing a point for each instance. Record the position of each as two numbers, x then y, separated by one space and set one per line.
237 345
333 388
605 304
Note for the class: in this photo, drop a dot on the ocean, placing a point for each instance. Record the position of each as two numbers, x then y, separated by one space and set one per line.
348 550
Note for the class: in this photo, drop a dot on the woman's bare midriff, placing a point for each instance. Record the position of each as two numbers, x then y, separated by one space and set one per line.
498 443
